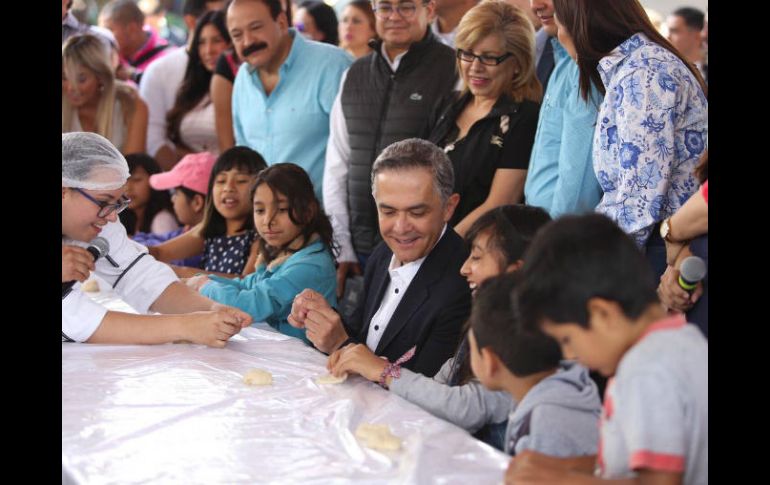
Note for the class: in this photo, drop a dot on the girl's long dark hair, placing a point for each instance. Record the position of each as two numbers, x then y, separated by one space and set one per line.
304 209
599 26
196 81
242 158
511 229
159 199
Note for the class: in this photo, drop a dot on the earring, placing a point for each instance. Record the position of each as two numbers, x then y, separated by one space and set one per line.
101 88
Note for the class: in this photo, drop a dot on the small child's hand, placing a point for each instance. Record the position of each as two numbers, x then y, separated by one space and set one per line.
357 359
243 319
196 282
334 358
212 328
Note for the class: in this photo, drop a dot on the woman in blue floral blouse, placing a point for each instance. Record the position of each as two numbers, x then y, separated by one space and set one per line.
653 123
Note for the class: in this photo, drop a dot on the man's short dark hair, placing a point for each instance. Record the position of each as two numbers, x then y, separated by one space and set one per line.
575 258
692 17
123 12
413 153
274 6
495 324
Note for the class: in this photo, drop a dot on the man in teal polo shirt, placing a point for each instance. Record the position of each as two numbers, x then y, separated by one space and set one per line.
284 91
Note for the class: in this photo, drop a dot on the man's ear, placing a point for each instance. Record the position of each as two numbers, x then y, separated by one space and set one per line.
283 21
450 206
604 314
431 7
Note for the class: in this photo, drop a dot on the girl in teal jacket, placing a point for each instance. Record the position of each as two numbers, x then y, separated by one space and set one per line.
295 251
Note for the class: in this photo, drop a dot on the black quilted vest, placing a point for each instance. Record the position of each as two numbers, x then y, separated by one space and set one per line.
382 107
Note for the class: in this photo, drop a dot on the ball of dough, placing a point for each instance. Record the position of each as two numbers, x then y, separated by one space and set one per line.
90 286
258 377
378 437
331 379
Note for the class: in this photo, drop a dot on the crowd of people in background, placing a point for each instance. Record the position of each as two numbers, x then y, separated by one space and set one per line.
488 207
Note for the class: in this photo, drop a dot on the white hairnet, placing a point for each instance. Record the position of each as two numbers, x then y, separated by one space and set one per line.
90 161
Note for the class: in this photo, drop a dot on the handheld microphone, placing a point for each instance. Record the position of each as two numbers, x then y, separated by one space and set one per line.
692 270
99 247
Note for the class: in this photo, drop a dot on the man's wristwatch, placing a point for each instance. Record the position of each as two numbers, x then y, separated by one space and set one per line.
665 230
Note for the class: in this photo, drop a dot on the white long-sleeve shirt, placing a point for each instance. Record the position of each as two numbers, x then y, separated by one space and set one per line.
158 88
336 167
144 280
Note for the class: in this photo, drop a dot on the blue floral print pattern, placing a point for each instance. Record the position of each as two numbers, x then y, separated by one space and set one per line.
653 127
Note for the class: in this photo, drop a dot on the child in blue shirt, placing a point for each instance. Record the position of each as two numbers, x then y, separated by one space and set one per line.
295 251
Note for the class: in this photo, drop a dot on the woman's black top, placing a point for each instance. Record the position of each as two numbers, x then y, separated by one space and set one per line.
501 139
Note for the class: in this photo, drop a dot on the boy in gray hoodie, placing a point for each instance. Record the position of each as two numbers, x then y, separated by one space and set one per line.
556 404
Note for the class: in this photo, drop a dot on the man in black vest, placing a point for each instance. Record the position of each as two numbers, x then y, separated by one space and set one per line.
386 96
414 295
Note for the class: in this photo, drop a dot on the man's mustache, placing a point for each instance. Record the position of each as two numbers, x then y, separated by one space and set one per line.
249 50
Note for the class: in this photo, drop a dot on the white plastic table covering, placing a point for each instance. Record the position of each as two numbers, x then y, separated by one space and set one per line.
180 413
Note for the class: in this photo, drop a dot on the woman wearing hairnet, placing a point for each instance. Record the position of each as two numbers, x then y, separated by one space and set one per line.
94 175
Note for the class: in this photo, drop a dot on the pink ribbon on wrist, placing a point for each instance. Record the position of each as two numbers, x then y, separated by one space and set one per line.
394 369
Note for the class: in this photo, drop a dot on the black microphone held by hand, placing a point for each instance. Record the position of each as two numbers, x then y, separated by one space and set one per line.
691 272
98 247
